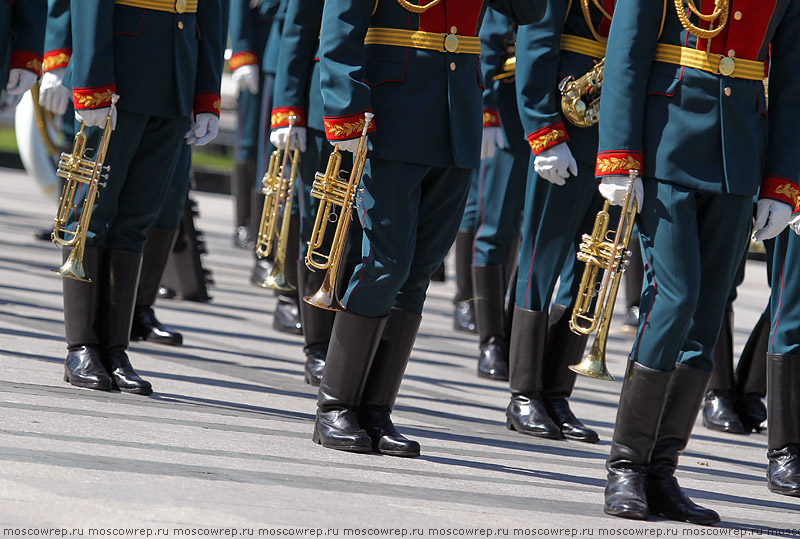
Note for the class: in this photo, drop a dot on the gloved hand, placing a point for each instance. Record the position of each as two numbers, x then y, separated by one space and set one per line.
20 81
346 145
10 102
771 218
613 189
278 137
96 117
493 138
247 77
203 129
795 224
52 95
555 164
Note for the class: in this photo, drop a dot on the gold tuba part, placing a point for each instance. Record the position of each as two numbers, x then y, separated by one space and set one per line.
77 169
580 98
599 252
333 191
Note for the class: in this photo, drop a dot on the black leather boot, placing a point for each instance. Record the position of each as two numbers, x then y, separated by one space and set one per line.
317 324
354 340
641 404
116 302
244 176
751 377
564 348
664 496
490 287
146 326
526 412
464 317
383 384
783 435
83 366
287 314
719 408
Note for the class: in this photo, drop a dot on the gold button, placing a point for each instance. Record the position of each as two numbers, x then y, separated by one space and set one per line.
727 66
731 53
451 43
453 29
180 25
452 66
727 90
180 6
738 15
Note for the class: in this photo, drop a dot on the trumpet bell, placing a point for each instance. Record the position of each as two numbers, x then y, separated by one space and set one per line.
593 366
73 269
277 280
324 298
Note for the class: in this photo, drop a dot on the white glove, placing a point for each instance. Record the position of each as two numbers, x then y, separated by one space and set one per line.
492 138
795 224
613 189
203 129
10 102
278 137
771 218
96 117
246 78
346 145
555 164
52 95
20 81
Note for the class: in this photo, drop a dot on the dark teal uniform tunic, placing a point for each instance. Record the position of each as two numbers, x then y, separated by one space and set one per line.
501 178
703 142
555 216
165 66
57 51
22 26
424 141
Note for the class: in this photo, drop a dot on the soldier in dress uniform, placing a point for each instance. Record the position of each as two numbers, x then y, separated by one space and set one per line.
249 31
163 58
22 27
568 42
415 67
683 107
500 195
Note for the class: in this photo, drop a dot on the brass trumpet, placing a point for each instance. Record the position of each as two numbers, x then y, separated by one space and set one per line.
600 252
77 169
279 190
332 191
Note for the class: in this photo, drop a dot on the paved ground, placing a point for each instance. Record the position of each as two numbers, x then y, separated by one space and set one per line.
225 440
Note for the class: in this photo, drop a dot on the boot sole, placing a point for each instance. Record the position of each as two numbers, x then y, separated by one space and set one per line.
550 436
678 518
784 492
144 392
87 385
720 428
349 448
492 377
405 454
311 381
626 513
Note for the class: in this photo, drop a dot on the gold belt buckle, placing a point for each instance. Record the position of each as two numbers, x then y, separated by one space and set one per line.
451 43
180 6
727 66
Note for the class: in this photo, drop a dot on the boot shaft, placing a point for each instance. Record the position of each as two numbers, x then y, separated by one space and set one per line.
526 351
564 348
117 297
751 370
463 243
81 300
317 323
244 177
783 400
154 259
722 375
490 288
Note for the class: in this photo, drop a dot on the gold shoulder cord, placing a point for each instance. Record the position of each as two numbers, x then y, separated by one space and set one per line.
719 15
408 6
588 16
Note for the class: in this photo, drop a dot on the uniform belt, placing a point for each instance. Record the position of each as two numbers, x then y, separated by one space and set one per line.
713 63
581 45
173 6
418 39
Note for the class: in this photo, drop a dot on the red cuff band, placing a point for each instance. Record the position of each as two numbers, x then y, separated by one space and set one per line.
547 137
206 103
26 60
491 118
56 58
781 189
280 117
619 162
242 59
346 127
93 98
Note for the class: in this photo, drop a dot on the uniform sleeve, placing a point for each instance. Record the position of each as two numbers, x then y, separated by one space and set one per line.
781 173
243 38
58 35
210 57
345 96
295 61
520 11
631 46
492 34
92 61
28 22
538 99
